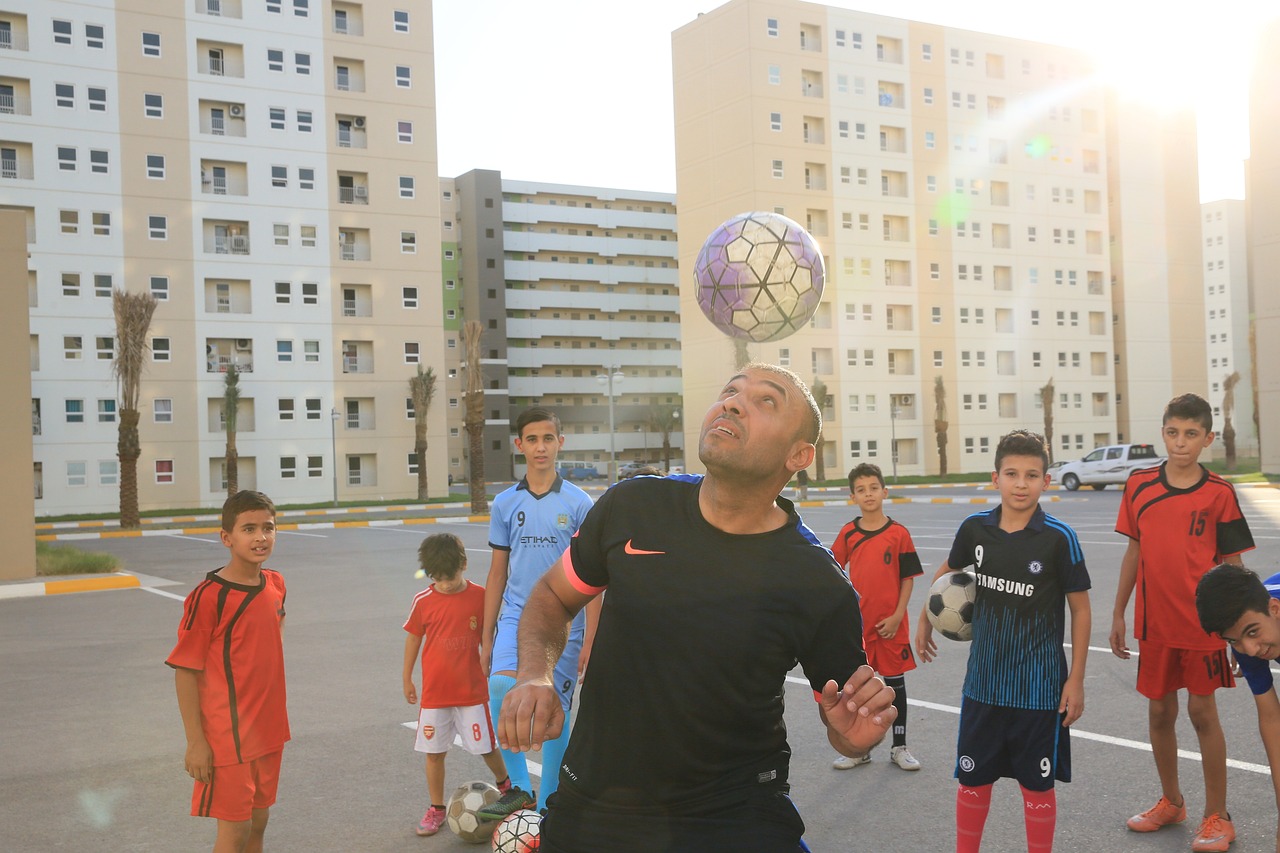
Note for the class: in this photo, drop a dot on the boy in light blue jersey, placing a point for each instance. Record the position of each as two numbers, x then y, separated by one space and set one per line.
530 526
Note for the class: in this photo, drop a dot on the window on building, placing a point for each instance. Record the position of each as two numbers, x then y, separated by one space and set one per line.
66 159
150 44
61 32
409 242
164 471
404 131
160 349
97 99
400 20
69 221
162 410
275 59
99 161
301 8
153 105
74 410
302 63
407 189
64 95
403 76
409 297
412 352
76 474
307 236
304 121
280 233
160 287
158 227
103 284
310 293
94 36
284 351
106 411
276 118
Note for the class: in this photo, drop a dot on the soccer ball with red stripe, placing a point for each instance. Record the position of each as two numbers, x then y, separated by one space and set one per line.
518 833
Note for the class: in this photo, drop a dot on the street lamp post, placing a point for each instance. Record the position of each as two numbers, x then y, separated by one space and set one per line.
610 376
675 427
333 446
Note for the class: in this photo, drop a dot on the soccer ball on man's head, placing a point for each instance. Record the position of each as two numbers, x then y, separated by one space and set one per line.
950 607
760 276
462 807
519 832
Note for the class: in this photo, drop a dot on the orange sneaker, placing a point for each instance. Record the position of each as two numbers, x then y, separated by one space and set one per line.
1163 813
1214 835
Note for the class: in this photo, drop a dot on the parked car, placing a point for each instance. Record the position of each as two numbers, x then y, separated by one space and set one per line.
580 472
626 469
1107 466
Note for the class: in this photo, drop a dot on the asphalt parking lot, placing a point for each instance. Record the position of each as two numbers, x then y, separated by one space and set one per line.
92 755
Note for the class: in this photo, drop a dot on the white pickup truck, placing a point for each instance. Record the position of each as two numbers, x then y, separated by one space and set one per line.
1105 466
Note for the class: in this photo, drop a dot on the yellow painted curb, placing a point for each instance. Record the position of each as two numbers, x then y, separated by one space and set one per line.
90 584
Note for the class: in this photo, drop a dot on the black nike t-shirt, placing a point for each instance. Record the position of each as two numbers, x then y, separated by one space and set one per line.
682 706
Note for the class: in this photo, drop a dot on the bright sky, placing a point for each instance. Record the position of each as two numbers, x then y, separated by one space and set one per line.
579 91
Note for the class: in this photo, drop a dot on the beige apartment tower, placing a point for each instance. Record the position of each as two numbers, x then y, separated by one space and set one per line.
985 218
1263 194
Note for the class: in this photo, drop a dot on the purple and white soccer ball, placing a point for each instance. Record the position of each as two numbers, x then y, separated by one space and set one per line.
760 276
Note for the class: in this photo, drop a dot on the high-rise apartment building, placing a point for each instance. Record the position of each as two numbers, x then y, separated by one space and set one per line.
1263 197
571 285
267 170
965 190
1226 287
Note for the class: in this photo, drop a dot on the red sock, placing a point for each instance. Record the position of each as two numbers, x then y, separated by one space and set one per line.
1040 809
972 805
504 785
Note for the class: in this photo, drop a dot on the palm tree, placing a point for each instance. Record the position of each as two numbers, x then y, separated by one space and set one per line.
230 417
664 420
422 388
133 312
819 391
741 355
1046 403
472 331
1228 428
940 423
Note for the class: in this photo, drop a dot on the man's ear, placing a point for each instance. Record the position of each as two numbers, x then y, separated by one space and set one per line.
801 457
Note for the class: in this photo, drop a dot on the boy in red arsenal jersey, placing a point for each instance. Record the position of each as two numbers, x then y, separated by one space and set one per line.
881 561
448 615
229 669
1181 521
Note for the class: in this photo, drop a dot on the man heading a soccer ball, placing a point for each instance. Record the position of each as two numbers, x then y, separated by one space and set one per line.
716 588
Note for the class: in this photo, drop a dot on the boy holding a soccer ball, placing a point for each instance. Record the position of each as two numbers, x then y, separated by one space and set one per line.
1019 695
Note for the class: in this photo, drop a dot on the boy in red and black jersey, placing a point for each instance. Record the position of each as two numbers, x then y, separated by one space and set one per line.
229 670
880 558
1181 520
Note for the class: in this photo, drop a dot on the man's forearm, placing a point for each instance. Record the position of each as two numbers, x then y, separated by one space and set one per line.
544 631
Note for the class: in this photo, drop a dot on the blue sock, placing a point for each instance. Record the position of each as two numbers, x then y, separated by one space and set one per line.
552 758
517 768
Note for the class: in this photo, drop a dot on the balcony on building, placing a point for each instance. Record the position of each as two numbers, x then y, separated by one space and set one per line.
221 353
816 222
219 59
995 66
353 187
897 229
1000 193
348 75
811 83
815 176
245 420
897 273
220 118
353 244
16 161
15 96
357 300
815 132
224 177
359 413
350 132
219 8
362 469
811 38
357 356
35 416
13 31
888 50
227 296
893 139
902 362
893 184
226 236
1001 236
891 95
348 19
904 406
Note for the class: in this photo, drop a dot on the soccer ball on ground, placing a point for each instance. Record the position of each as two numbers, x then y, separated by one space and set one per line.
518 833
950 607
760 276
462 807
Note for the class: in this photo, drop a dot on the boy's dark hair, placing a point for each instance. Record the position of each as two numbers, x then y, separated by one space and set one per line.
1191 407
442 556
865 469
645 471
1225 593
533 416
1022 442
244 501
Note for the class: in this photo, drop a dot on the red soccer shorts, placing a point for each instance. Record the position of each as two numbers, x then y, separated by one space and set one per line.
1163 669
238 789
889 657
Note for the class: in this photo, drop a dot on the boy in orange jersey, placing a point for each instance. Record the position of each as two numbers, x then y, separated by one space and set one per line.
1181 521
880 558
229 670
455 696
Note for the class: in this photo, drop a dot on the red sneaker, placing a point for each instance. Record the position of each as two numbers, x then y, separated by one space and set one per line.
1214 835
1162 814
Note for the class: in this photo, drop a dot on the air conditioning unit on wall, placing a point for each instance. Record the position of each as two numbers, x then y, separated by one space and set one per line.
243 344
358 122
236 110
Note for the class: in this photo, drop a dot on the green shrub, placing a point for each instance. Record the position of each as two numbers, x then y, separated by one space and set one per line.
68 560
